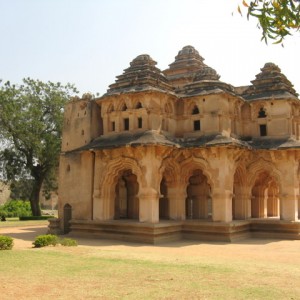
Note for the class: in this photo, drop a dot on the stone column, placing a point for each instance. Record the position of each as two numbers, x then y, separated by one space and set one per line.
242 204
289 186
289 206
177 196
149 206
222 206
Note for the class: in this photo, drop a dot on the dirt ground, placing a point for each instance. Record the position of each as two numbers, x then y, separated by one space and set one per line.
282 251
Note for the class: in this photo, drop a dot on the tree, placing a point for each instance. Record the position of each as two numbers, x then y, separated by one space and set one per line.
30 126
277 19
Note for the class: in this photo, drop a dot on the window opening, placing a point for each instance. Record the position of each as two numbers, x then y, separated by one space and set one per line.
138 105
262 113
124 107
113 126
197 125
126 124
263 130
195 110
140 123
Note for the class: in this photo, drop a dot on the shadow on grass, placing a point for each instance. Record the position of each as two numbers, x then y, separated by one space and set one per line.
24 233
98 241
29 233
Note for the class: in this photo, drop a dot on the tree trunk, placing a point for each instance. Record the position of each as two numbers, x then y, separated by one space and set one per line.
35 198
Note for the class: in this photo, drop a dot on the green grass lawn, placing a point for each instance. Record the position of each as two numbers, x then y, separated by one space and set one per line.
81 273
15 222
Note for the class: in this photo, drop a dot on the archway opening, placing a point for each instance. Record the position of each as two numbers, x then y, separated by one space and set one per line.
164 201
126 200
265 197
67 217
198 201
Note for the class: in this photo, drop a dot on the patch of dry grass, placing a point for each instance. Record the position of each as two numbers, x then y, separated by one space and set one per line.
138 272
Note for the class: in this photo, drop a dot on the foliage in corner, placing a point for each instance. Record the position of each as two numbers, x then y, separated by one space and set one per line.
15 208
68 242
6 242
277 19
45 240
30 128
53 240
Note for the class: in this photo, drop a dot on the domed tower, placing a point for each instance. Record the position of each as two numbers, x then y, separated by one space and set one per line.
183 70
208 106
274 104
138 100
141 75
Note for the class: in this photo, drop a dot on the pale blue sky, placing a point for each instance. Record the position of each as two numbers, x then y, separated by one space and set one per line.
89 42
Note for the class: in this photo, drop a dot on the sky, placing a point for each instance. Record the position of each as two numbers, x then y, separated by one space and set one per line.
90 42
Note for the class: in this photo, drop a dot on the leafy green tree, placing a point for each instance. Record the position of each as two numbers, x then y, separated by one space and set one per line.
30 126
277 19
21 188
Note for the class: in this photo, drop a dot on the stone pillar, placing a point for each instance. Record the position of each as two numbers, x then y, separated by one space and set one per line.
265 203
298 207
289 206
242 204
149 206
177 196
222 206
258 203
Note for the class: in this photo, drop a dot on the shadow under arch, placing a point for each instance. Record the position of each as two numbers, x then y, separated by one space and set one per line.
266 187
108 185
265 197
126 202
199 185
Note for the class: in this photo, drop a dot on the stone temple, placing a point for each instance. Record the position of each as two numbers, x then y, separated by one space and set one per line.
180 154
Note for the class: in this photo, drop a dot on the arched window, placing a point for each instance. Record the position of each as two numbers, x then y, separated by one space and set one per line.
124 107
138 105
262 113
168 108
195 110
110 108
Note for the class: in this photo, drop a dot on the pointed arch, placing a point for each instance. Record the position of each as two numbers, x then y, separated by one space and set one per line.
110 178
262 113
110 108
266 186
189 165
169 109
124 107
261 165
195 110
138 105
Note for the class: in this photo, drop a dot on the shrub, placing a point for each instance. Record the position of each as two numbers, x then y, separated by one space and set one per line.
15 208
45 240
27 218
68 242
6 242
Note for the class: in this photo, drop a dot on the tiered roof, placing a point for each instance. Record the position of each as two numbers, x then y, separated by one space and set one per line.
141 75
270 83
188 75
186 65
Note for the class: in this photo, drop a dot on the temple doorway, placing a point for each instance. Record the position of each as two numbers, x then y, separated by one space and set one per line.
67 217
265 197
198 201
126 200
164 201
